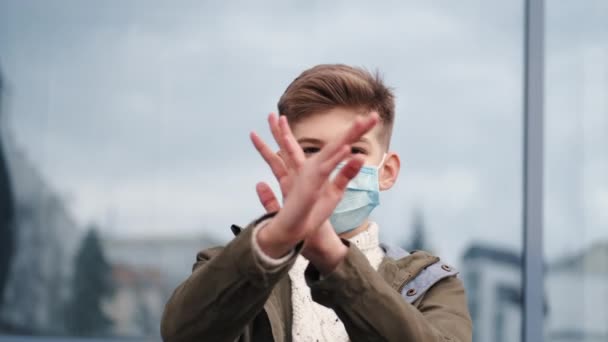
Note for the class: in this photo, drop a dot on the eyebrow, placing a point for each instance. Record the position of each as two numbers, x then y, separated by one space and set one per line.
311 141
321 142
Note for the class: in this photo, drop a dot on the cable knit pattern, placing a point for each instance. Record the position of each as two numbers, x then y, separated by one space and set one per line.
313 322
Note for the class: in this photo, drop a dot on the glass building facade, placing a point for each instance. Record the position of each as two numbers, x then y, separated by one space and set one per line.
124 150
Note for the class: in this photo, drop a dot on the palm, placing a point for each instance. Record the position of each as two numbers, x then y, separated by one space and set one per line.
285 182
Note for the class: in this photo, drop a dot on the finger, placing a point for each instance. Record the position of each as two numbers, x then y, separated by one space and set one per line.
334 190
347 173
327 166
273 122
274 127
354 133
356 130
267 198
293 149
274 161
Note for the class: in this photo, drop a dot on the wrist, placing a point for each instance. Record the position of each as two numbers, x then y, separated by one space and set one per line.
326 251
321 242
273 241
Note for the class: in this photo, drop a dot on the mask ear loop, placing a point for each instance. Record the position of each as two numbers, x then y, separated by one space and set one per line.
381 161
378 169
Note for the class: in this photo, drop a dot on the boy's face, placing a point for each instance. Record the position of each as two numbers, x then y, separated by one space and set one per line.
315 131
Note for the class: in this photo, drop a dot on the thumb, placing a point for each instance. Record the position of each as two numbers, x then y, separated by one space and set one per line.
267 198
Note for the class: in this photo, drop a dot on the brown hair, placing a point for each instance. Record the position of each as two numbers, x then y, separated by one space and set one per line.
328 86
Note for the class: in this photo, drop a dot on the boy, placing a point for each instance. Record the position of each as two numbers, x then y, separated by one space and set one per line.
314 270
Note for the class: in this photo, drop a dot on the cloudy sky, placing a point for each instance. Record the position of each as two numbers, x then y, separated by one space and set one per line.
138 112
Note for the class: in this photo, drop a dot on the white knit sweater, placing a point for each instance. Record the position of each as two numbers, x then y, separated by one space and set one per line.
312 321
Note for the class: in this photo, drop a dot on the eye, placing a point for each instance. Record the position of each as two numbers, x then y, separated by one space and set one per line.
357 150
308 150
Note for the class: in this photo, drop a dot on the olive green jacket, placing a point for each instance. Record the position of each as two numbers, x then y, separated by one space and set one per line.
233 296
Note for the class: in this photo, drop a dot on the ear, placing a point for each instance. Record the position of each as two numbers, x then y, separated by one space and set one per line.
389 171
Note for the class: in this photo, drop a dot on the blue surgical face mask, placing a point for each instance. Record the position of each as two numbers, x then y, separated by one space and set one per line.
362 195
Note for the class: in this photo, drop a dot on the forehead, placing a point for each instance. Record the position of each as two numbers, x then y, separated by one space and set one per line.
329 125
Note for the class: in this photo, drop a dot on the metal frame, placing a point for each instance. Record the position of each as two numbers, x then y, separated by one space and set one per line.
533 276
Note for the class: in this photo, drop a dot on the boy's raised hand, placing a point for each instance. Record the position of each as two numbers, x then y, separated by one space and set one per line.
283 164
324 240
310 196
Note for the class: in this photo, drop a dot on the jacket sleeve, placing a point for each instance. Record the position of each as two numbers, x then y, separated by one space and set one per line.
372 310
226 290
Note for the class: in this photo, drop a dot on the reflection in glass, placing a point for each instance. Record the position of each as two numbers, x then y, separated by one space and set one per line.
576 212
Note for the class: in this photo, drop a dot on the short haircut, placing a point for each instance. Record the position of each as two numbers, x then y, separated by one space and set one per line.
328 86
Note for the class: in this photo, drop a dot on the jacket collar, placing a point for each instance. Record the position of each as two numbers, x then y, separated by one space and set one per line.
399 272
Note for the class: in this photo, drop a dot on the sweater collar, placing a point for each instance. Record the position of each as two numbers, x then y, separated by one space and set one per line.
368 239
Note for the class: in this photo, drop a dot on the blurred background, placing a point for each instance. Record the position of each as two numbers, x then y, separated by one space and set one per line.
124 148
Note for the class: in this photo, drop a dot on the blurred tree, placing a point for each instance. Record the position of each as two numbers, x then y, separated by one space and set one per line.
92 284
7 210
418 239
144 318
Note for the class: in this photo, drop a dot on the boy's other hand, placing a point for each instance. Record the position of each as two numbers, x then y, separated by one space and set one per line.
309 195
